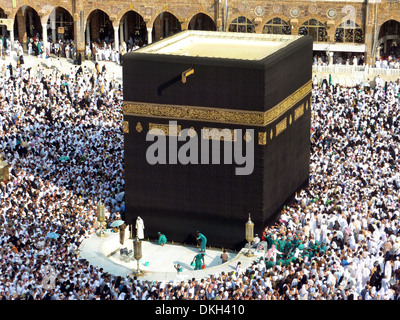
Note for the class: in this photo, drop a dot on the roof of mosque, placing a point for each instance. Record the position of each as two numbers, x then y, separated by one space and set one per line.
223 45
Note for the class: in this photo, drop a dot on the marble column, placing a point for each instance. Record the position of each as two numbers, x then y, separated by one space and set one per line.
88 32
121 32
44 36
53 29
12 38
116 38
149 35
22 36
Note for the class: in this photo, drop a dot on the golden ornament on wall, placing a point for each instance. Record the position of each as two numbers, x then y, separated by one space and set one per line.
247 136
139 127
125 127
191 132
262 138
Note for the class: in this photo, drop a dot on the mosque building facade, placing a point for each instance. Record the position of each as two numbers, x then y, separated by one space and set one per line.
366 28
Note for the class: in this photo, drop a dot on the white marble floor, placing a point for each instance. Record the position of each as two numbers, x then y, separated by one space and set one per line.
157 262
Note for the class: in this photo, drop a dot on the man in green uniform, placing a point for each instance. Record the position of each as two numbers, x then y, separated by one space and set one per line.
314 248
269 263
288 246
178 268
281 243
296 241
268 238
162 239
203 241
198 261
290 258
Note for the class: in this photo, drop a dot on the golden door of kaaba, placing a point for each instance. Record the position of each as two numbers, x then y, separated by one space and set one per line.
217 126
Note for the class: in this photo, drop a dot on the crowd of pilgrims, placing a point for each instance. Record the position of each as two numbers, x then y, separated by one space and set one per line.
62 137
97 50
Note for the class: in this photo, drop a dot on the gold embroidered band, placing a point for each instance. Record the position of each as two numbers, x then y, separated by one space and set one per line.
230 116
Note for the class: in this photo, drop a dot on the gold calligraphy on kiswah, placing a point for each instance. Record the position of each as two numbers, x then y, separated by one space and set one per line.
281 126
164 129
206 114
219 134
298 112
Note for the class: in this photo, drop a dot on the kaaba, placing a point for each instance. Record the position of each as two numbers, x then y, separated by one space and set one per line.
243 97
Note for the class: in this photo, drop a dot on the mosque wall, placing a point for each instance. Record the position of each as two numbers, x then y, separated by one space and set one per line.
160 19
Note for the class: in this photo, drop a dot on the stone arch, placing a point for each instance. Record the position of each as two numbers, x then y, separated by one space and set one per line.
122 13
109 14
132 24
355 20
349 29
391 15
274 16
389 37
390 25
27 24
163 28
156 15
209 26
310 17
3 28
3 14
315 28
240 24
98 25
16 11
59 16
48 10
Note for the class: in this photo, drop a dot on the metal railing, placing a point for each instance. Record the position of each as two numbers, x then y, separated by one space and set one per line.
349 69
